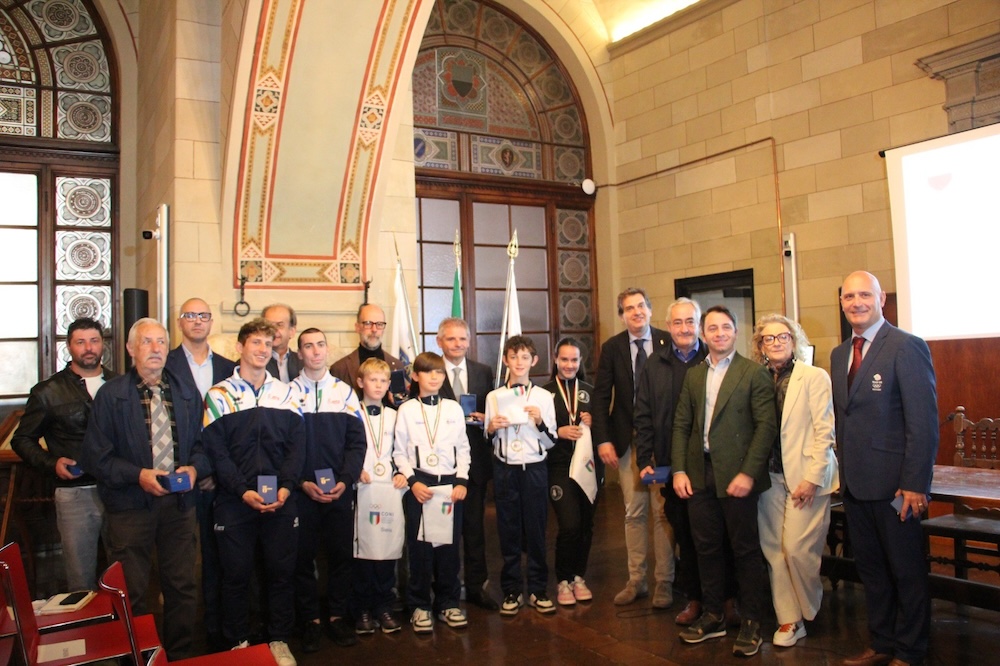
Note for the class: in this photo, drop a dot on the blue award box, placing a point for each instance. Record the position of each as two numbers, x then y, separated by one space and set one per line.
659 475
267 488
325 479
176 482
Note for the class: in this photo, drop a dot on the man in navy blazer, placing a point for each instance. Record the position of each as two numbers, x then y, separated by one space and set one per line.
613 433
477 379
194 362
887 434
118 449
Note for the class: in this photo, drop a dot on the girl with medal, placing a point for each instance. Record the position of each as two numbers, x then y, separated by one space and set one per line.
573 509
431 449
375 579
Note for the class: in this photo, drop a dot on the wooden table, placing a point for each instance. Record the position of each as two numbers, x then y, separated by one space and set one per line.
952 483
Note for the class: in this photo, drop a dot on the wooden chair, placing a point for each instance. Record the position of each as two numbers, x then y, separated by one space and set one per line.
975 442
107 640
974 531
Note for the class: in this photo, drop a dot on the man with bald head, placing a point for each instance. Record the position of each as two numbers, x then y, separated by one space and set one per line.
145 425
370 326
885 401
194 362
284 364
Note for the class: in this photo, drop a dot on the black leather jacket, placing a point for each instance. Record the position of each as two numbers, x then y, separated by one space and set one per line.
58 409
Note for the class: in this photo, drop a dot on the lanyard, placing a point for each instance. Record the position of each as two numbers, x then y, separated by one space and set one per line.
572 406
376 436
527 394
431 435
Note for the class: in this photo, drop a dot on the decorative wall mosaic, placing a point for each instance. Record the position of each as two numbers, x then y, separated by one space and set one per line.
496 84
17 111
504 157
574 269
75 301
15 62
572 228
83 66
57 82
343 265
575 311
435 149
83 256
83 202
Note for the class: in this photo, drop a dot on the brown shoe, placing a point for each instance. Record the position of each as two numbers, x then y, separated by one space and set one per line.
690 613
731 613
630 593
899 662
869 658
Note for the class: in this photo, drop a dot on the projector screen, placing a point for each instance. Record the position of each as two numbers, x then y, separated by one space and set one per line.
944 196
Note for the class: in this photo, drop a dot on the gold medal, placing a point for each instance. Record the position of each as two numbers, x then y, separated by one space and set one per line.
379 469
515 445
432 460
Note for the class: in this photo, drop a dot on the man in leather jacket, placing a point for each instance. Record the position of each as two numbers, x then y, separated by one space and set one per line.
58 409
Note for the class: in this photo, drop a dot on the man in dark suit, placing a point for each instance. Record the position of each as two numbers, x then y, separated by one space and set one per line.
144 425
370 327
887 433
622 359
656 400
194 362
724 428
465 376
284 364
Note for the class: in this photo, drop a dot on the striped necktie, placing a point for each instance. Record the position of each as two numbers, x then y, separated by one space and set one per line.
160 436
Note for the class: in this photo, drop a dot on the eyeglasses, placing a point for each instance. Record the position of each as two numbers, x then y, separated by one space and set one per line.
380 325
201 316
780 337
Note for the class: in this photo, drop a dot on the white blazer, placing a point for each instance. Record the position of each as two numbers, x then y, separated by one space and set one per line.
807 434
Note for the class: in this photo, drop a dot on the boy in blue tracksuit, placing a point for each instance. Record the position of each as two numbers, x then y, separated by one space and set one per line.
253 428
335 441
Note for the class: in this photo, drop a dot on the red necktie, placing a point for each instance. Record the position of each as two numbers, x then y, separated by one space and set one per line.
858 343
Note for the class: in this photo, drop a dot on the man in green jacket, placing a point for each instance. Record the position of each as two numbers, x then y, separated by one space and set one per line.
724 428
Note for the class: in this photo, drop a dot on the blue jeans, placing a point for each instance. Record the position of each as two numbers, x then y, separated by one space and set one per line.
80 519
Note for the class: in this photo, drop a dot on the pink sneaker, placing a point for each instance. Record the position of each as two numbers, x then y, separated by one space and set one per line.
565 594
580 590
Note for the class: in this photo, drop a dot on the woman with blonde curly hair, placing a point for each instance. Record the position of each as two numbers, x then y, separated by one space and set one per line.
794 514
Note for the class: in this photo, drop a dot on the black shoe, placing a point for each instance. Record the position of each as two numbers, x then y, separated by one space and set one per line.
705 627
482 599
365 626
389 624
312 633
748 642
342 633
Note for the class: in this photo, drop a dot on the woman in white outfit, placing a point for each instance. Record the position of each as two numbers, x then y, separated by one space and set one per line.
794 514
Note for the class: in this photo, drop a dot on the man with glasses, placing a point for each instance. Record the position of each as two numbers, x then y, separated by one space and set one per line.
194 363
284 364
370 327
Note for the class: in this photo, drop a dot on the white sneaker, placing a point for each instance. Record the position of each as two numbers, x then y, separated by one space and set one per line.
580 589
564 594
422 621
281 653
240 645
511 604
788 635
542 603
454 617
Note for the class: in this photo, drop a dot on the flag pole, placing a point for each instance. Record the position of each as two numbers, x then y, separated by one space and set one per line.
512 253
456 290
411 332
